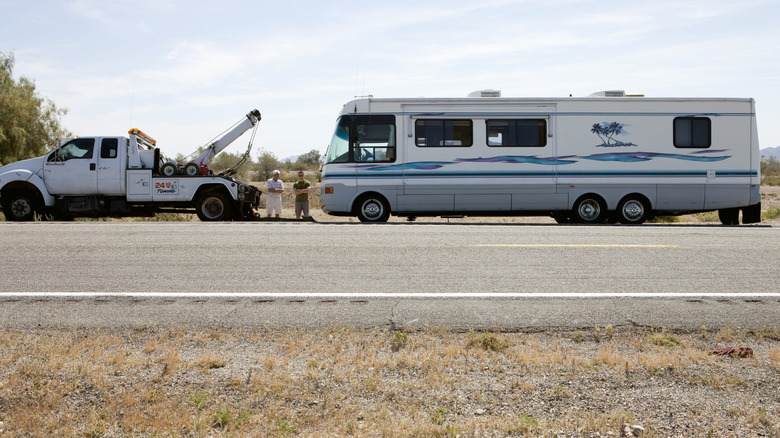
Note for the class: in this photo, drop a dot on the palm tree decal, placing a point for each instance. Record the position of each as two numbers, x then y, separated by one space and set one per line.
606 133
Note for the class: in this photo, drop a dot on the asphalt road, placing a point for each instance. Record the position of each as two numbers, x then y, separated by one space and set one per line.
510 277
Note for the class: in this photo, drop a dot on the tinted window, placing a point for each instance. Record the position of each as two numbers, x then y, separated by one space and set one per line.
109 148
521 132
435 133
692 132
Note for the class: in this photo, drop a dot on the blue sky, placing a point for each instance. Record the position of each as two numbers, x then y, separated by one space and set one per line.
185 71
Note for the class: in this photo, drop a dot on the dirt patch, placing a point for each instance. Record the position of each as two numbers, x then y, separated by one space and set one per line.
370 383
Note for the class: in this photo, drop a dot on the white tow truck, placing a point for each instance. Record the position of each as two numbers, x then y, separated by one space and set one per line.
126 176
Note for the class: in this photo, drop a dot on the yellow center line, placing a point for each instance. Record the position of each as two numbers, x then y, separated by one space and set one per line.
575 245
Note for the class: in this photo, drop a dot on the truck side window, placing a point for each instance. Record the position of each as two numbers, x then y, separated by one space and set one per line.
78 148
109 148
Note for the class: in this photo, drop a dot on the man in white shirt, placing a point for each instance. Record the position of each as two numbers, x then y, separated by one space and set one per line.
275 188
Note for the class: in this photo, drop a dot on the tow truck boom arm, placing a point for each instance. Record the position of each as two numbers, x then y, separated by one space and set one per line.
221 143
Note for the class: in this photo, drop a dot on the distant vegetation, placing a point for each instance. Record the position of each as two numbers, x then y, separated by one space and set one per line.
770 172
260 168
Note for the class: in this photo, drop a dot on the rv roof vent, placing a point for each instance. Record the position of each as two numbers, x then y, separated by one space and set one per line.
485 93
609 93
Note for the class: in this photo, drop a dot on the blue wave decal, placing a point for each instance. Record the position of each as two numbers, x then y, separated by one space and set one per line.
632 157
533 159
709 151
419 165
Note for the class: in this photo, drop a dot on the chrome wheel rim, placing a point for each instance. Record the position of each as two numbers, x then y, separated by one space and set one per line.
633 210
372 209
589 210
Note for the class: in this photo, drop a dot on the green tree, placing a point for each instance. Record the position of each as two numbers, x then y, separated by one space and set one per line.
266 163
310 160
227 160
29 123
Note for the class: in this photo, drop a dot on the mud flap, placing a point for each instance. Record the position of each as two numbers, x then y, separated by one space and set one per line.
751 214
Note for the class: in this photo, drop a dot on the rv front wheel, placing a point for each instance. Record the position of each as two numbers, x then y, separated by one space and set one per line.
372 208
590 209
632 210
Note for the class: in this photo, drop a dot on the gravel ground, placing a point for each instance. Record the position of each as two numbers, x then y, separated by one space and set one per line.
598 382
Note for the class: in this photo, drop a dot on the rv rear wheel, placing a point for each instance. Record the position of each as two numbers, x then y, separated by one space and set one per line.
729 216
372 208
632 210
590 209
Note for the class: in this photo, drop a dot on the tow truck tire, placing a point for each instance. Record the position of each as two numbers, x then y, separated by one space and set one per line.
192 169
169 169
19 205
214 206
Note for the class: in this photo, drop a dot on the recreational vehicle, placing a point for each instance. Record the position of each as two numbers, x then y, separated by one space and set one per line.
608 157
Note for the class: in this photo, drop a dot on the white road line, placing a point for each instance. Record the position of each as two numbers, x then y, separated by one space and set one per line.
574 245
380 295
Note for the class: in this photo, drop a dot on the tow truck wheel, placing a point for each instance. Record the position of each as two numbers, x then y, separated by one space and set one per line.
192 169
214 206
169 169
19 206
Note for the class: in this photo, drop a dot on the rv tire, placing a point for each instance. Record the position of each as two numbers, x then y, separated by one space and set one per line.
589 209
729 216
632 210
372 208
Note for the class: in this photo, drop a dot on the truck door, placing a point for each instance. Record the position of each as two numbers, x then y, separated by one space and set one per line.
72 168
109 168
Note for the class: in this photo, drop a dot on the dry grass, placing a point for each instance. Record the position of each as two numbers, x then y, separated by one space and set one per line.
345 382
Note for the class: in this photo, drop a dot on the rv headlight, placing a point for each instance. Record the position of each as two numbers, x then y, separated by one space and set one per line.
241 196
242 188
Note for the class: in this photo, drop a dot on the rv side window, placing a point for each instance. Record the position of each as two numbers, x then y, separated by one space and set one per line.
374 142
692 132
520 132
435 133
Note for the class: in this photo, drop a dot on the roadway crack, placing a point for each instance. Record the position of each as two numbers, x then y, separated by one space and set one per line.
393 324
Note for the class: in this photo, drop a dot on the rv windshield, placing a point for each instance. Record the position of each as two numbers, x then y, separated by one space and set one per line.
338 151
363 138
